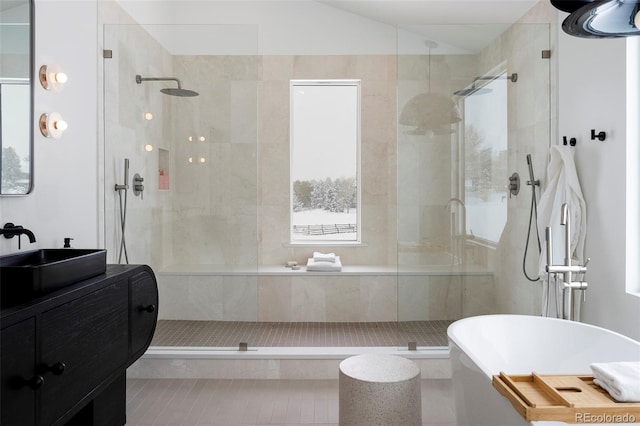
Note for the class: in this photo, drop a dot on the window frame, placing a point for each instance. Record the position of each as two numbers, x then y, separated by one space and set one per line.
357 83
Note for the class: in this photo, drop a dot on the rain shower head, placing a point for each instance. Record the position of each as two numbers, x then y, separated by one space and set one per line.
172 91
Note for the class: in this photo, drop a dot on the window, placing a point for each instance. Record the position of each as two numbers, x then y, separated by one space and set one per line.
485 146
325 150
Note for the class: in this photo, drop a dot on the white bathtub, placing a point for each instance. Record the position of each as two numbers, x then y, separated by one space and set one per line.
519 344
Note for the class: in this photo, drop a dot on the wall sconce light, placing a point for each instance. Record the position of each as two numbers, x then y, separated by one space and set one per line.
52 78
52 125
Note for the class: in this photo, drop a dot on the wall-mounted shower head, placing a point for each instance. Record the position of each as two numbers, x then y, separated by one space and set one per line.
170 90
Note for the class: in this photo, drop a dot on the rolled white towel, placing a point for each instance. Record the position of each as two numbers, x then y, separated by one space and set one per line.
314 266
324 257
620 379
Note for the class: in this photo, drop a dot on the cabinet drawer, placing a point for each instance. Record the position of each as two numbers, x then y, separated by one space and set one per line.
88 335
144 312
19 379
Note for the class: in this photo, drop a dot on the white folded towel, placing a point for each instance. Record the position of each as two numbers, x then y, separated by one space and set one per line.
324 257
322 266
620 379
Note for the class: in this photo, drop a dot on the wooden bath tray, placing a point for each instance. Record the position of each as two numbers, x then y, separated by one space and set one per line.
564 398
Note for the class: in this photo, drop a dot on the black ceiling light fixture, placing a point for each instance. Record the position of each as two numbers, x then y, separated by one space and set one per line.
600 18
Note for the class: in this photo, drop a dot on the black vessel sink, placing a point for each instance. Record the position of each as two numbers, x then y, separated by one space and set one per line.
34 273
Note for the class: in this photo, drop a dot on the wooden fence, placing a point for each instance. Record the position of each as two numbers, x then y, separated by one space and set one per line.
339 228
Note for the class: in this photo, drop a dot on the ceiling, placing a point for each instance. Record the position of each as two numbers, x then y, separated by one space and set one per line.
329 26
466 24
441 12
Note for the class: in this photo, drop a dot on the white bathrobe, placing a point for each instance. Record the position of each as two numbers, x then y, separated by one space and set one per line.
562 187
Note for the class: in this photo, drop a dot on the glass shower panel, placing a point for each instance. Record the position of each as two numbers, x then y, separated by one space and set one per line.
485 160
465 124
195 222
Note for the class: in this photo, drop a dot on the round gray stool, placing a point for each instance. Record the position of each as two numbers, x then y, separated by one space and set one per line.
379 389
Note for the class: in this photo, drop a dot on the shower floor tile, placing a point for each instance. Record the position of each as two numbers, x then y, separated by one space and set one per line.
299 334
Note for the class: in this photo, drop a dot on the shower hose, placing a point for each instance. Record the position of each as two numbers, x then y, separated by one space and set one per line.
533 211
123 223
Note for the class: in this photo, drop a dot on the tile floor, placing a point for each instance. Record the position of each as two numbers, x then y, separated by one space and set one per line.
200 402
307 334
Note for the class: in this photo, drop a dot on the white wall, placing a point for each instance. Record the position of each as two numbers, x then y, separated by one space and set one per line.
64 200
592 95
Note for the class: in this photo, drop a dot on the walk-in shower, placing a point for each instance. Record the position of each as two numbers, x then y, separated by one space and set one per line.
215 220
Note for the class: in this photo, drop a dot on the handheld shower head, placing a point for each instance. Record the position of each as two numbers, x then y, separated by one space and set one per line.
564 214
125 185
126 172
172 91
532 179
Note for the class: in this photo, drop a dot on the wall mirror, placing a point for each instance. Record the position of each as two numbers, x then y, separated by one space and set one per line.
16 97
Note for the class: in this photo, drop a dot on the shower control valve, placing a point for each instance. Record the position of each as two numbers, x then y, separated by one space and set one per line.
138 187
514 184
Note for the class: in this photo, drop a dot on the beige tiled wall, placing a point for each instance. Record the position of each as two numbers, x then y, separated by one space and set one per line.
234 209
378 149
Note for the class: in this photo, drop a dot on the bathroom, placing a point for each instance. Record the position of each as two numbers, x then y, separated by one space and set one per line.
72 198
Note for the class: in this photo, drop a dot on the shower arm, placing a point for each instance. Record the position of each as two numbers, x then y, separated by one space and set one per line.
511 77
472 87
140 79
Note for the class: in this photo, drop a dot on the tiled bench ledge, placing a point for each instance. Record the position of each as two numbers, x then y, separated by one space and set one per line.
353 270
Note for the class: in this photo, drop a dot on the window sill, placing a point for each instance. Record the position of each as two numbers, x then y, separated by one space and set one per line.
324 244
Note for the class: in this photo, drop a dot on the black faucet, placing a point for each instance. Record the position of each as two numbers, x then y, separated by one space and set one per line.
10 230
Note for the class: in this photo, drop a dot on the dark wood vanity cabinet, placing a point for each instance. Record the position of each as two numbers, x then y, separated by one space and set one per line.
64 356
143 309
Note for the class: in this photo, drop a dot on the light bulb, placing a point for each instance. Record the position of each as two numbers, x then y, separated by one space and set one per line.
52 125
202 160
59 77
190 159
148 147
148 116
202 138
51 78
60 125
190 138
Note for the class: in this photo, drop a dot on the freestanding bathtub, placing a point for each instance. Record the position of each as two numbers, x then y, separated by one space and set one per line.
519 344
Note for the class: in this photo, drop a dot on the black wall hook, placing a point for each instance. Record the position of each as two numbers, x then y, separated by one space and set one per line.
600 136
572 141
